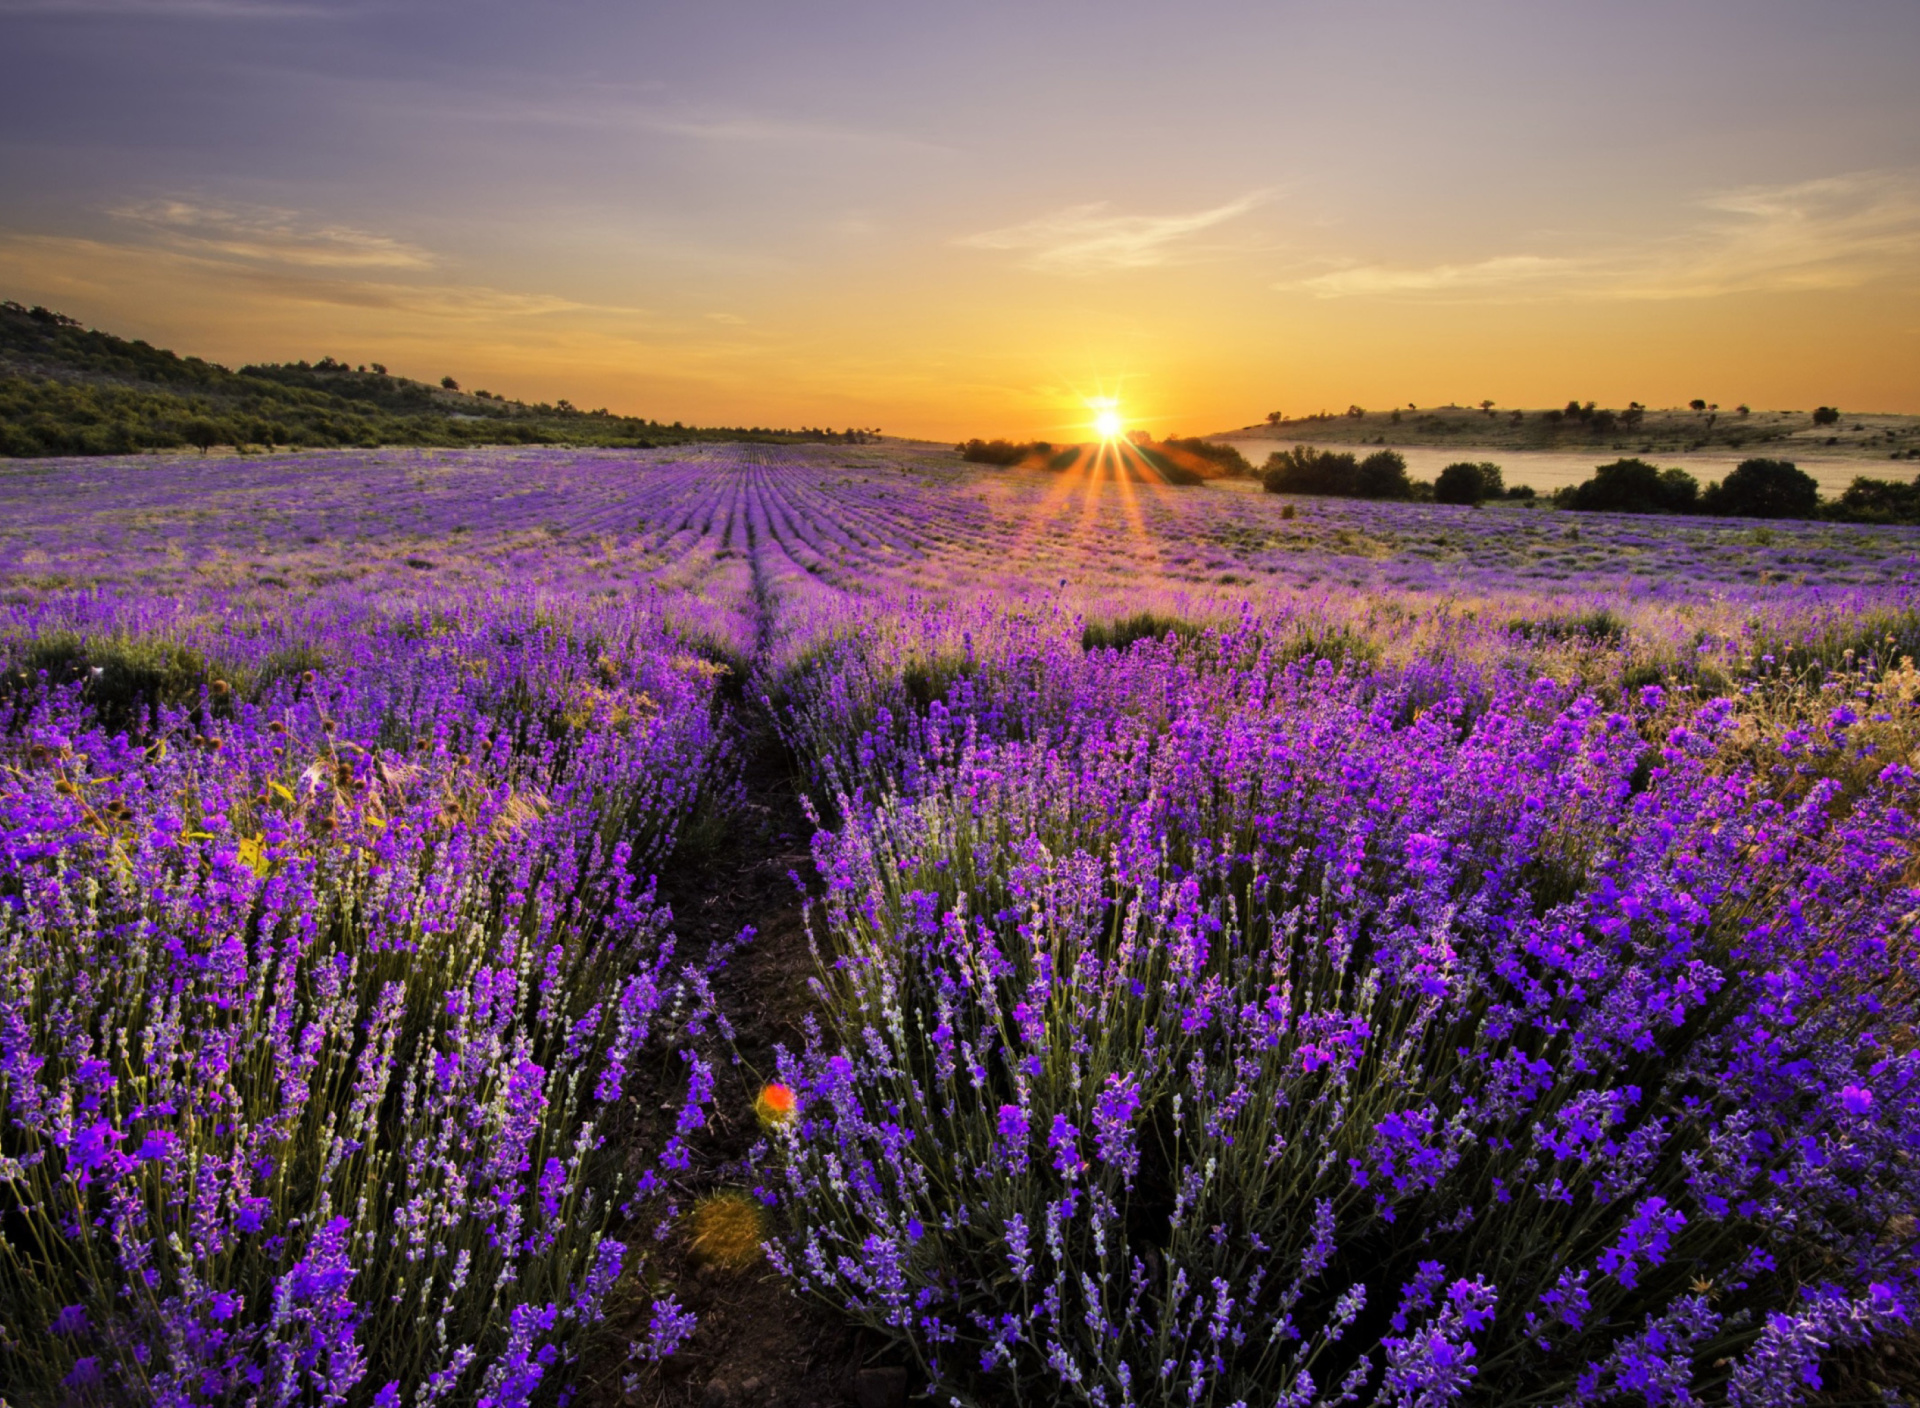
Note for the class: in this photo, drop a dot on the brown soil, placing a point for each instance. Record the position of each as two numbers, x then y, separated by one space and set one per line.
757 1343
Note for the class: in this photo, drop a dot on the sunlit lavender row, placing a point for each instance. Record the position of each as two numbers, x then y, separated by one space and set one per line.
1273 952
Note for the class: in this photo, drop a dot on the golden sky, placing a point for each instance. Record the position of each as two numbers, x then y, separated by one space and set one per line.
969 220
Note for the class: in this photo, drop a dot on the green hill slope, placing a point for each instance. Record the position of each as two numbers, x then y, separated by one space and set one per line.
66 389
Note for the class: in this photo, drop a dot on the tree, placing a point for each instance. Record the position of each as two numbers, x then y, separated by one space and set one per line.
1486 408
1305 470
449 383
1383 475
1356 412
1826 415
1762 488
1634 486
1275 417
1458 484
1697 404
202 432
1466 482
1879 501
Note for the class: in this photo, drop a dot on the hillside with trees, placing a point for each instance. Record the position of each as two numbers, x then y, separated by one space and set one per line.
66 389
1582 425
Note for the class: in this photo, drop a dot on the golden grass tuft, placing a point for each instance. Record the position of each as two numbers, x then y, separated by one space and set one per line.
727 1230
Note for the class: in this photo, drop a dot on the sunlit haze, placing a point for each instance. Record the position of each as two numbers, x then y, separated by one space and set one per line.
955 220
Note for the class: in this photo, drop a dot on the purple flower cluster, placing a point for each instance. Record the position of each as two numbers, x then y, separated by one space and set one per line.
1405 945
320 998
1538 1008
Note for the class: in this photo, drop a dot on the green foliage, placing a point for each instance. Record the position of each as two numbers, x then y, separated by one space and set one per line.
1590 627
1761 488
1383 475
1467 482
1634 486
70 390
1878 501
1226 456
996 451
1142 625
1305 470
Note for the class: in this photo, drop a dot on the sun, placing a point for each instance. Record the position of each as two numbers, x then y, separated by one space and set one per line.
1106 419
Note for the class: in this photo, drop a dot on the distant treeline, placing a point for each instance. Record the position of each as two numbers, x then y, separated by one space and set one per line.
1225 458
1757 488
70 390
1381 475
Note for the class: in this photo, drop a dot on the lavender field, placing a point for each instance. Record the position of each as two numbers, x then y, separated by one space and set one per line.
1269 951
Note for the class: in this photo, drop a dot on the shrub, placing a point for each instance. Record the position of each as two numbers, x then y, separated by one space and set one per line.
204 433
1467 482
1226 456
1002 452
1878 501
1142 625
318 1029
1634 486
1382 475
1305 470
1162 1065
1761 488
1825 415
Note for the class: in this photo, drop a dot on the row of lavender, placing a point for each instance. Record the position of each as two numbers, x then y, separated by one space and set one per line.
1208 1024
1192 1002
325 992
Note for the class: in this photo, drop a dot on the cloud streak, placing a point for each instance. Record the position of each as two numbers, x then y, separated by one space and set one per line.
1833 233
168 9
1092 239
266 235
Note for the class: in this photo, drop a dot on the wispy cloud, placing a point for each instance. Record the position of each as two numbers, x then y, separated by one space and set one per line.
1832 233
270 236
645 106
173 9
1092 239
101 268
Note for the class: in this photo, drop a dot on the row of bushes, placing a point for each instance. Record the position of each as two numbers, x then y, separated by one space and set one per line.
1381 475
1757 488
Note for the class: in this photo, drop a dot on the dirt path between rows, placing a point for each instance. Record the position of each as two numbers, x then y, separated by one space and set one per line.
758 1345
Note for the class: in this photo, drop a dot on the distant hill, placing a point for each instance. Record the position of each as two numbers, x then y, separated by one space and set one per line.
66 389
1580 426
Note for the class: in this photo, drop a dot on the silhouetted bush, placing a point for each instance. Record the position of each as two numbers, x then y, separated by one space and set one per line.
1226 456
1825 415
1633 486
1383 475
1878 501
992 451
1466 482
1305 470
1762 488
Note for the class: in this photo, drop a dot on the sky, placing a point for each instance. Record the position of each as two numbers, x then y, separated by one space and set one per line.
955 219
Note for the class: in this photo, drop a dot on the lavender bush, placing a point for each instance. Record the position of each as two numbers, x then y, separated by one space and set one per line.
316 1009
1209 1029
1390 954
